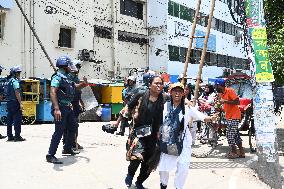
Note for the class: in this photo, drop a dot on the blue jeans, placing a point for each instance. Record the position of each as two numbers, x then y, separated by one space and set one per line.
14 117
68 123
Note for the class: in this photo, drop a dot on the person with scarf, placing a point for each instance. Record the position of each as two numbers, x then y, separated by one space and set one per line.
146 109
175 138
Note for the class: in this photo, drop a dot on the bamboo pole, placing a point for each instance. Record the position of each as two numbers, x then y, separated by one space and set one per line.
198 3
36 36
198 77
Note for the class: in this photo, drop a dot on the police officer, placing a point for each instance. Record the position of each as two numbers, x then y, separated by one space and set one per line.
62 93
77 103
2 96
14 105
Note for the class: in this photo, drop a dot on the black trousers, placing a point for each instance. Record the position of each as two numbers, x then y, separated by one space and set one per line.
134 164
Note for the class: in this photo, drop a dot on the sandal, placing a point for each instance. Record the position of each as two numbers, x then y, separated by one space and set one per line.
232 156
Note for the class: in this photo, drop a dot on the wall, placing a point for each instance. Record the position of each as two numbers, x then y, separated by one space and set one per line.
178 31
19 47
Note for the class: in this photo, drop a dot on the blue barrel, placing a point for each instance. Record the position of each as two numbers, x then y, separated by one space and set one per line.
106 113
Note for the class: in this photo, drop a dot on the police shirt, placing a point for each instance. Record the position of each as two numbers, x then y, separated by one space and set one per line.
15 86
55 82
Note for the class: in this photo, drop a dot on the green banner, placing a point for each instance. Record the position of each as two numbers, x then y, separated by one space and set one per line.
263 65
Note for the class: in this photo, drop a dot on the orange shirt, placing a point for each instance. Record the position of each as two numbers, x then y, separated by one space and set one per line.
232 110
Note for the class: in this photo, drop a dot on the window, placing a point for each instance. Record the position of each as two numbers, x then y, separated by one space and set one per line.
131 8
182 54
1 25
185 13
132 37
213 59
66 37
103 32
176 9
173 53
171 8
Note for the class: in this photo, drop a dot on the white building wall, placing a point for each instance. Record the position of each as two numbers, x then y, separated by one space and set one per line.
225 44
16 48
158 45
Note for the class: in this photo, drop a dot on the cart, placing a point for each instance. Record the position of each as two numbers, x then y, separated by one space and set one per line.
30 98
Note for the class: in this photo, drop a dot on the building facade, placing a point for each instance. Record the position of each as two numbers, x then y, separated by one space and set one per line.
169 30
113 31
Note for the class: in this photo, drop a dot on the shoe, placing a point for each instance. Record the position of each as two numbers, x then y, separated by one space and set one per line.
163 186
52 159
139 186
80 147
128 180
120 133
70 152
19 139
10 139
1 136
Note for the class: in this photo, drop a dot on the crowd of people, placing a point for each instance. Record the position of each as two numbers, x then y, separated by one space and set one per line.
162 120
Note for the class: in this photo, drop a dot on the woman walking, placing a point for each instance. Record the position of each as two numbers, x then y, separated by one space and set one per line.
175 137
147 110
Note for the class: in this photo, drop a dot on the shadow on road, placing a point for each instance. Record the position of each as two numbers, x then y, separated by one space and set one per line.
69 160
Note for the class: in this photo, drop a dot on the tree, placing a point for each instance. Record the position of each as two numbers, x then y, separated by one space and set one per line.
275 31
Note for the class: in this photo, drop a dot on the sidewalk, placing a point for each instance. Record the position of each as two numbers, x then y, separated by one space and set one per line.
280 141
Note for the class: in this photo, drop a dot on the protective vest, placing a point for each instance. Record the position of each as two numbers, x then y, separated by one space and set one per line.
4 87
11 95
171 139
66 90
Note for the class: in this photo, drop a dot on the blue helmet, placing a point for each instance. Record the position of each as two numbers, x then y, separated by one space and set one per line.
63 61
15 69
220 81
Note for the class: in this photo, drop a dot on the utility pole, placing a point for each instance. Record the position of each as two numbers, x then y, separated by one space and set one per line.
264 118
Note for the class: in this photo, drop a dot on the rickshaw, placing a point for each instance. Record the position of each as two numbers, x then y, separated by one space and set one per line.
242 85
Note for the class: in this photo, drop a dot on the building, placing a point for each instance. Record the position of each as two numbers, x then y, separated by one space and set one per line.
110 35
169 29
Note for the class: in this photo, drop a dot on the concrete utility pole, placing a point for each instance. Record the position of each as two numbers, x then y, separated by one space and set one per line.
264 118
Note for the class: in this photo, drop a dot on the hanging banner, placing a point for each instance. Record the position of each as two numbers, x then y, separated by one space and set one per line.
263 65
257 31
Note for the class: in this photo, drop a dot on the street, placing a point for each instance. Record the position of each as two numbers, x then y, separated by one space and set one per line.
102 164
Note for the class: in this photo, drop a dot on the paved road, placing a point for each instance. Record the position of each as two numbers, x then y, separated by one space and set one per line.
102 165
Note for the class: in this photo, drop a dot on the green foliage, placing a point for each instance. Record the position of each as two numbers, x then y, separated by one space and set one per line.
277 56
275 30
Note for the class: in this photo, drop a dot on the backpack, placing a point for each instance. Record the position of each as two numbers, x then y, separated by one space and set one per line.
4 87
171 139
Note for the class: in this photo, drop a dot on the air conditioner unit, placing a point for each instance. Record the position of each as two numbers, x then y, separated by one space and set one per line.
85 55
140 1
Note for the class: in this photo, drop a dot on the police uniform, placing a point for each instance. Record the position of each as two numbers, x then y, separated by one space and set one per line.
76 103
14 116
65 94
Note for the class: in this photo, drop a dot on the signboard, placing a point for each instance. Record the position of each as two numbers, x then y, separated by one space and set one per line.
263 65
